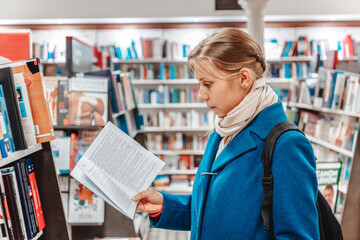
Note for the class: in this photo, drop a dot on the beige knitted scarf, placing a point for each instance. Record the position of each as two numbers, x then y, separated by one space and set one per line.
260 97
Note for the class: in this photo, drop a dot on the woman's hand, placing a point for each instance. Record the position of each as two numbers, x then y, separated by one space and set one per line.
150 201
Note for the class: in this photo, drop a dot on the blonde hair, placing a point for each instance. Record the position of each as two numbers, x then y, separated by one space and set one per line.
229 49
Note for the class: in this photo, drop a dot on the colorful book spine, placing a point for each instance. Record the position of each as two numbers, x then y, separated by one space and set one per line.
6 119
23 196
35 192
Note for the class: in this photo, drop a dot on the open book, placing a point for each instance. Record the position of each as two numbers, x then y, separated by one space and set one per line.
116 167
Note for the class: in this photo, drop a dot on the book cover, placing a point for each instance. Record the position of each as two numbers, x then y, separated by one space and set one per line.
328 175
84 205
35 193
25 110
44 130
13 111
86 137
88 101
51 95
112 88
4 143
13 201
60 148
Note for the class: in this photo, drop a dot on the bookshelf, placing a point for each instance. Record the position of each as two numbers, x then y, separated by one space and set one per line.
37 174
109 227
49 194
341 112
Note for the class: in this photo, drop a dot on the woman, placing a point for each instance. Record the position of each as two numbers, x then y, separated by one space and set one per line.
227 193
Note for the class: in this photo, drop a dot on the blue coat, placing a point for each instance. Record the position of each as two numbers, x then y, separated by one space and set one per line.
228 205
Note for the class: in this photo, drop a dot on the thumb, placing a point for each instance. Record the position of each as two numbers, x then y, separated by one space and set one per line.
140 195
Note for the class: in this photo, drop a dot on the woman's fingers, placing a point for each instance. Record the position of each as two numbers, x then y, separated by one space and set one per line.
140 195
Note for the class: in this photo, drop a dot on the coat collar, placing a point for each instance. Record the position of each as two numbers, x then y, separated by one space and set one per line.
244 142
266 119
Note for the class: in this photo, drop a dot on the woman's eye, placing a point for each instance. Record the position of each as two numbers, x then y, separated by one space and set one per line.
207 84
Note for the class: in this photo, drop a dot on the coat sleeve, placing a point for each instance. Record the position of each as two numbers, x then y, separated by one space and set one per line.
176 213
295 188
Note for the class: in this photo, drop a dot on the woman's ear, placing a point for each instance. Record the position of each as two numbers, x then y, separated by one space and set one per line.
246 78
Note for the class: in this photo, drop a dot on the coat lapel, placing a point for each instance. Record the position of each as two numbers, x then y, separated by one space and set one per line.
241 144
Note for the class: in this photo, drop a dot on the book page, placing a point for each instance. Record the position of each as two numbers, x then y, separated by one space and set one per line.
119 166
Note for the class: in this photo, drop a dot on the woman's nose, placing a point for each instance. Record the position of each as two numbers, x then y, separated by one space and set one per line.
203 95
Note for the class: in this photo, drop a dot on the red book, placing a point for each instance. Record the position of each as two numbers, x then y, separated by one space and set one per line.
74 149
35 192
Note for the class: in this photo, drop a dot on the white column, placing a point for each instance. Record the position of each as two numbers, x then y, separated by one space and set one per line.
255 18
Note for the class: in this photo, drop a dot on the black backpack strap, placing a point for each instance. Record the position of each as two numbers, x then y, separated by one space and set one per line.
266 159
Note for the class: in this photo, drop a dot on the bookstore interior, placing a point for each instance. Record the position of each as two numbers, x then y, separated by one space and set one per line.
80 78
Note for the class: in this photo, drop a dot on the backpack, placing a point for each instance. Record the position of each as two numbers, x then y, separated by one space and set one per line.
329 227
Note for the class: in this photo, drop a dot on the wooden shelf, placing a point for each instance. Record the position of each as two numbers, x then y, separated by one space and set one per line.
330 146
171 106
12 157
177 129
179 172
152 60
324 110
177 152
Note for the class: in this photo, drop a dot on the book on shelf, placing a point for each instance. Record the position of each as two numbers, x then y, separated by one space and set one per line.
88 101
112 88
25 110
18 203
5 125
328 174
60 148
13 202
35 194
63 103
116 167
25 200
3 150
84 206
74 150
51 95
337 90
30 69
13 112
